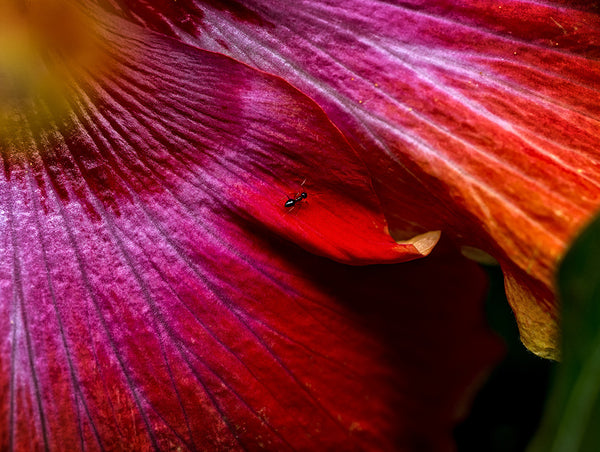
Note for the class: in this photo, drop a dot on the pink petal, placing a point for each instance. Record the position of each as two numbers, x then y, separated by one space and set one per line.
152 295
479 118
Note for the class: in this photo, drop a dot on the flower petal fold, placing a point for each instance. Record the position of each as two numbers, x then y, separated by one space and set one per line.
152 295
263 142
478 118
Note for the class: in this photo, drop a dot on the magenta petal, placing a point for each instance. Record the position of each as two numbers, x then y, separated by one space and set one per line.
479 118
122 337
151 299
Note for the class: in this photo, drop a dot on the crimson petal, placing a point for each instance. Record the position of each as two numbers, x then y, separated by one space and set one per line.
479 118
152 297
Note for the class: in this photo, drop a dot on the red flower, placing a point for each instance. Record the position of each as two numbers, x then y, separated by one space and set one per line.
156 292
476 118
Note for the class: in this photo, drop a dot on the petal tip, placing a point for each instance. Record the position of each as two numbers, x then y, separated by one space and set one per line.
478 255
423 243
538 328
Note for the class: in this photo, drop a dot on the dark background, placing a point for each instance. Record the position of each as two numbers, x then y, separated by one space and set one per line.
508 409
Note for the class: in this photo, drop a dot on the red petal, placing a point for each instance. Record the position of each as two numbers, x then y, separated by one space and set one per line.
475 117
148 304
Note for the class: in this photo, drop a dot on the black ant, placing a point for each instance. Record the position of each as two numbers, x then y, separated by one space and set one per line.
291 202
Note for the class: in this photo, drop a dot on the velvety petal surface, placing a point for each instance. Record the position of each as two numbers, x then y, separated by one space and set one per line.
479 118
153 295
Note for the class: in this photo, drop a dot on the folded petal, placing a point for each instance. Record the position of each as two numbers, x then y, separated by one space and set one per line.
152 293
478 118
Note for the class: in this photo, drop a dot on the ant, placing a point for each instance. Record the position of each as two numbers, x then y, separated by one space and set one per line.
291 202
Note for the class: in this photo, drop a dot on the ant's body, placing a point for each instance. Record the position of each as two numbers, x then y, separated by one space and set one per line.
295 200
291 202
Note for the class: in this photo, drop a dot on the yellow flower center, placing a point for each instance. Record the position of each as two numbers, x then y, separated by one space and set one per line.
43 45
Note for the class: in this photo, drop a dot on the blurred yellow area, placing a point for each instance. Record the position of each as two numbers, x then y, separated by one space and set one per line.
44 47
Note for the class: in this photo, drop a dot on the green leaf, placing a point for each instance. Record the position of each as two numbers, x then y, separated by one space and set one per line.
572 419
